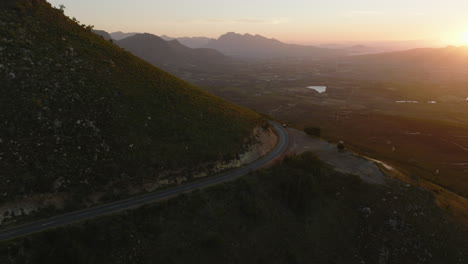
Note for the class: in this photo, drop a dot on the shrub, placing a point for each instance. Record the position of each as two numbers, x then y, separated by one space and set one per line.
313 131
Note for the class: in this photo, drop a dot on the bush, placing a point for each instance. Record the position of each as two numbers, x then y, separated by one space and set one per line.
341 146
313 131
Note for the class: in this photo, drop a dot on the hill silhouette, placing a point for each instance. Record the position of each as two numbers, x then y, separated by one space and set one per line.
448 56
171 55
191 42
103 34
119 35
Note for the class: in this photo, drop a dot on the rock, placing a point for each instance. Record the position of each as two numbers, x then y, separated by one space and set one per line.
57 123
366 211
393 224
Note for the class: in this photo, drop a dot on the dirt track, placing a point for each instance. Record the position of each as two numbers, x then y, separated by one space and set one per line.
345 162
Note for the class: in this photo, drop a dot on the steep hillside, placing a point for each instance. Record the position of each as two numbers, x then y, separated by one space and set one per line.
171 55
249 46
80 115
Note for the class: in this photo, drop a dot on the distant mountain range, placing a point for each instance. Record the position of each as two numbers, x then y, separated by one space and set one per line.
253 46
171 55
103 34
121 35
256 46
194 43
449 56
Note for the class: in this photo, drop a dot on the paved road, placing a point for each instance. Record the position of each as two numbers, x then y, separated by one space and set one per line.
73 217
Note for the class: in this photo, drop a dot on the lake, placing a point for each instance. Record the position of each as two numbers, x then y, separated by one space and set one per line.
320 89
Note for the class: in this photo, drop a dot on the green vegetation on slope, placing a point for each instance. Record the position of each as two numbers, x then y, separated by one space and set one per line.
78 112
297 212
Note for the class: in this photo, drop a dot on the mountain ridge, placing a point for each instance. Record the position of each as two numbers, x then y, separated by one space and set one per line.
449 56
119 35
171 55
191 42
257 46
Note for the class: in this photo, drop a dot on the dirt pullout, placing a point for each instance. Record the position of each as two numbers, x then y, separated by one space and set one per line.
344 162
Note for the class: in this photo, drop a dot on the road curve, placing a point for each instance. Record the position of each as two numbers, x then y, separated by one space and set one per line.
106 209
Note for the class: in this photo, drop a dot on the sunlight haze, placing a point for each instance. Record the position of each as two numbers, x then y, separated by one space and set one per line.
295 21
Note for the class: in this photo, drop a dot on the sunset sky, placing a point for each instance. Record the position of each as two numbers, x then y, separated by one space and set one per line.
294 21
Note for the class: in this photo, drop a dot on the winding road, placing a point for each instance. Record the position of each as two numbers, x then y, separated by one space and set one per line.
106 209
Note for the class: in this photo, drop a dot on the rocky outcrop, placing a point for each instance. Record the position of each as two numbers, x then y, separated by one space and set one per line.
265 141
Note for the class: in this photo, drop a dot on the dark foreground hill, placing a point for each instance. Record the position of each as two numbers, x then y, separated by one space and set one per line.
79 114
297 212
171 55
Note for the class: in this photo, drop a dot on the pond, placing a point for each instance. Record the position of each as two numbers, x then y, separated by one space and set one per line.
320 89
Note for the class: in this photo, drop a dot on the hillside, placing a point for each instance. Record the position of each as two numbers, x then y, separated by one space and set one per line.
82 116
249 46
299 212
171 55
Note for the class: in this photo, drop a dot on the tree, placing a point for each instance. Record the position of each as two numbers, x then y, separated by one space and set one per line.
62 8
313 131
341 146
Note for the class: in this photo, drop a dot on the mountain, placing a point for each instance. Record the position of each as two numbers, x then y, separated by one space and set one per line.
119 35
194 42
171 55
81 116
103 34
449 57
360 48
167 38
250 46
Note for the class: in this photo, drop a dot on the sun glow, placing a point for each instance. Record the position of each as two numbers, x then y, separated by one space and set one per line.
465 38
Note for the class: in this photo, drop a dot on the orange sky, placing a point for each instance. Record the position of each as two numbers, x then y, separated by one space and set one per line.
294 21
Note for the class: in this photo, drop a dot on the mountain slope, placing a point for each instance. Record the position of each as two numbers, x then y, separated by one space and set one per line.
170 55
257 46
79 114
